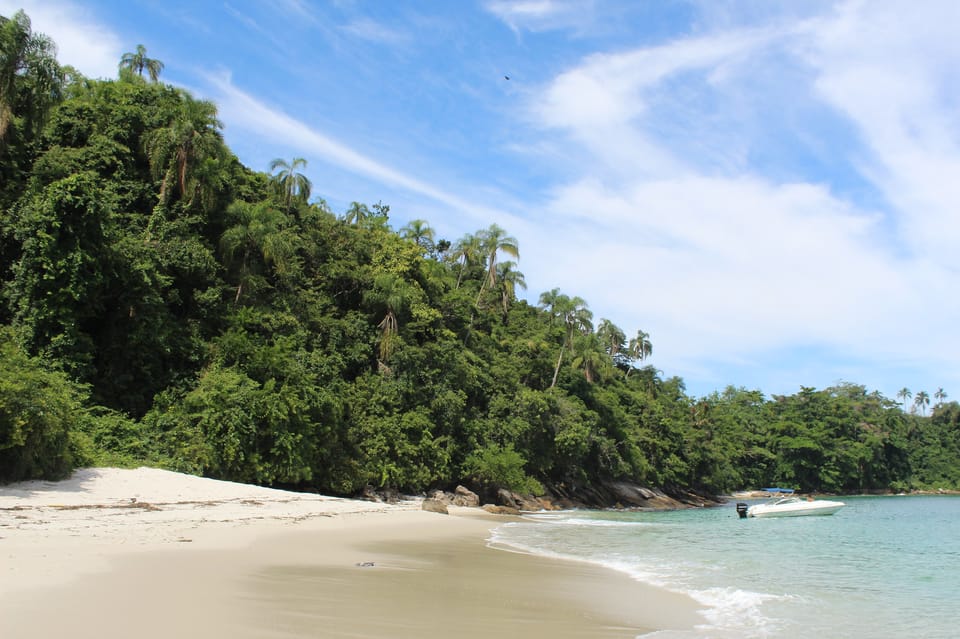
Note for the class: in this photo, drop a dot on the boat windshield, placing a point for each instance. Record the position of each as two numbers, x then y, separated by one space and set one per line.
786 500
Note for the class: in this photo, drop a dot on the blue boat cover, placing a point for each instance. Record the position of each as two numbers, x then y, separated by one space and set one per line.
786 491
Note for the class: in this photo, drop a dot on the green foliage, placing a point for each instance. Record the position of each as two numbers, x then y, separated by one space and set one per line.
38 408
138 62
104 437
934 447
30 78
501 466
60 278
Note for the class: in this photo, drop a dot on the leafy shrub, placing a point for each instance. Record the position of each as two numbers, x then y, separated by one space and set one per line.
497 466
37 409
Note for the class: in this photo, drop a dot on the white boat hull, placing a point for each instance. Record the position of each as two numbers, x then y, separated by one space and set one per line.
795 508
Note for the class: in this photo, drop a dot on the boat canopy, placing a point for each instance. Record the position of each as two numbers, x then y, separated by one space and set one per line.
783 491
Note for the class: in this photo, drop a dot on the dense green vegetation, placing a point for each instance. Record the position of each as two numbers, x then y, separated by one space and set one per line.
164 304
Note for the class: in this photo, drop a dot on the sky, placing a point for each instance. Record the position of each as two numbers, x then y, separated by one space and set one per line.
768 188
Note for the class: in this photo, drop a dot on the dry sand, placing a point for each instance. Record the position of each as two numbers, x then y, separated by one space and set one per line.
150 553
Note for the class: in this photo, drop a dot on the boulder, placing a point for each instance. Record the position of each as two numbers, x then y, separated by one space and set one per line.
434 506
441 496
465 497
501 510
383 495
508 499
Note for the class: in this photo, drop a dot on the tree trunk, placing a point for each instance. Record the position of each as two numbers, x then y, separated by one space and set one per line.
556 371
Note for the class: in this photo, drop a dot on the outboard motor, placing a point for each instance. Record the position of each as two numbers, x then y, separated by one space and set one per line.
742 509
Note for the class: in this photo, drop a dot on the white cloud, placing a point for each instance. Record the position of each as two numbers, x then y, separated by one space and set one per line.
896 75
603 102
372 31
82 41
541 15
725 262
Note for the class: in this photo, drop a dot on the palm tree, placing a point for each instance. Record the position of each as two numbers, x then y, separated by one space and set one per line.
291 185
420 232
590 355
262 236
904 394
492 242
138 62
208 183
640 346
940 396
357 214
30 78
611 336
573 313
392 293
922 400
554 302
467 252
191 136
509 279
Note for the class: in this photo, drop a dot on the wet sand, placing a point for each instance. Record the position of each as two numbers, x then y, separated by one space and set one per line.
355 569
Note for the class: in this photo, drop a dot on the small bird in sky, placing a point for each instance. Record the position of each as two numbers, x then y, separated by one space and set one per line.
506 77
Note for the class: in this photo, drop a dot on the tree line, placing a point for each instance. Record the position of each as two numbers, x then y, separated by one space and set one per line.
164 304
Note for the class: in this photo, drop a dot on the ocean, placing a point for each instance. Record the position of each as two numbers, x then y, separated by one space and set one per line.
881 568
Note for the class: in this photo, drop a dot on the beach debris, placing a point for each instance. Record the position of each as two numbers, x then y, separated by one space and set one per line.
365 564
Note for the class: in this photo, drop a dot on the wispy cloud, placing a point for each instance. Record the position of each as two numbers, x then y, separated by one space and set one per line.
541 15
260 120
376 32
82 40
895 75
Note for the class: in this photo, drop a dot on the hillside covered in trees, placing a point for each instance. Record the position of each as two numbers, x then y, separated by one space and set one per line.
164 304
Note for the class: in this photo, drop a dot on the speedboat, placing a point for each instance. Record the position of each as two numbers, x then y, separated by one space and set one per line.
791 507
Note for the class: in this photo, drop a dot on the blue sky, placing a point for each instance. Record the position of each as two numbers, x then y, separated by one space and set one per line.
769 189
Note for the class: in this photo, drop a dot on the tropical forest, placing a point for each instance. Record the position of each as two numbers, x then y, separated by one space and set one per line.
165 305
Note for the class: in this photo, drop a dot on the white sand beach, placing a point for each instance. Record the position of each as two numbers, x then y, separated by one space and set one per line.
151 553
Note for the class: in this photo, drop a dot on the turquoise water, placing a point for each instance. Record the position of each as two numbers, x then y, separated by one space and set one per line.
883 567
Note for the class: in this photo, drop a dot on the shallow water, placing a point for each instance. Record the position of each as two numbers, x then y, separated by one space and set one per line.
883 567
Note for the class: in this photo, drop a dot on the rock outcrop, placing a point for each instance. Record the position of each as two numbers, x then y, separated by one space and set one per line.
615 494
625 494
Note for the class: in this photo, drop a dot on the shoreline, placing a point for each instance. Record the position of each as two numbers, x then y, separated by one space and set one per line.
193 556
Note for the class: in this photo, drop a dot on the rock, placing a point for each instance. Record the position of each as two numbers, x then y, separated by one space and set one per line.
383 495
441 496
508 499
529 503
646 492
465 497
522 502
547 504
501 510
434 506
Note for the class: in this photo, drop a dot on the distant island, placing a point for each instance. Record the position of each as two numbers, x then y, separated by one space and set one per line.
166 305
